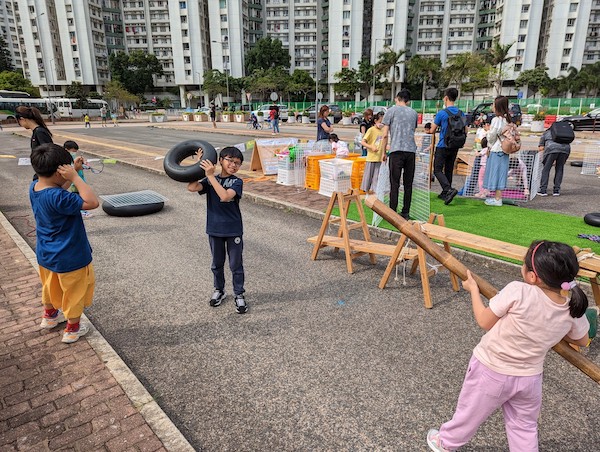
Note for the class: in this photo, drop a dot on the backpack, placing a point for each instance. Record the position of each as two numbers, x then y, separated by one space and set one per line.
562 132
456 135
510 139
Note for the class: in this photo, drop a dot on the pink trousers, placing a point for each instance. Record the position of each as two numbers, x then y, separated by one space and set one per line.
483 392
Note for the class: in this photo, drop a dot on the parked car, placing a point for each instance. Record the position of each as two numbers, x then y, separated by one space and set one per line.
358 116
266 108
484 110
589 121
335 110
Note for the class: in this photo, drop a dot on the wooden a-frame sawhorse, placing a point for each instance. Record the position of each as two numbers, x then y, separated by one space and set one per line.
420 262
354 248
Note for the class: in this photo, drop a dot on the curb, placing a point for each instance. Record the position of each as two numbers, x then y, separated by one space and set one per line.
172 439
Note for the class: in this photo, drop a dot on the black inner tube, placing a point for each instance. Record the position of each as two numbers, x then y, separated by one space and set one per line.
187 173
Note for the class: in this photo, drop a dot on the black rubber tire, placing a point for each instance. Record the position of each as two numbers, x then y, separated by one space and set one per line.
577 163
593 219
132 211
187 173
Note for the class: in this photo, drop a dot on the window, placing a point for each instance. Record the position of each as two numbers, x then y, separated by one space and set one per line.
569 37
522 38
346 14
564 66
566 52
182 5
390 13
518 67
573 7
525 8
570 22
523 24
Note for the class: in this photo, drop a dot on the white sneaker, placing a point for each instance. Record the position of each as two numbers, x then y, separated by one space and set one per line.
493 202
73 336
433 441
51 322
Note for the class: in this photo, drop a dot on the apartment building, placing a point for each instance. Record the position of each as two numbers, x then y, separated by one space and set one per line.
9 19
56 42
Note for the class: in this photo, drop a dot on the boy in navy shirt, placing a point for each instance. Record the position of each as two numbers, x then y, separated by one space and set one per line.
224 222
63 252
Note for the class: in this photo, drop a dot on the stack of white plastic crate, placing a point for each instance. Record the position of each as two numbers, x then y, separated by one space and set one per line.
335 176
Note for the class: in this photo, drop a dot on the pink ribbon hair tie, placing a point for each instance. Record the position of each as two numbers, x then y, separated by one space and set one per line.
568 285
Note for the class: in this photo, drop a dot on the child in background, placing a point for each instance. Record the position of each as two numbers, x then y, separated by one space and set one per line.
523 321
373 142
340 148
86 119
224 222
78 163
483 153
63 252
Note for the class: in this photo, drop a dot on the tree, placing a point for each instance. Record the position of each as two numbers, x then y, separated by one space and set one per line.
390 60
479 78
135 70
534 79
14 81
267 54
215 83
497 56
422 70
116 92
348 82
301 83
75 91
265 81
5 57
366 74
459 67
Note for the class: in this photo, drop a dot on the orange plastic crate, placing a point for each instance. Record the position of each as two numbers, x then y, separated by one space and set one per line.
358 169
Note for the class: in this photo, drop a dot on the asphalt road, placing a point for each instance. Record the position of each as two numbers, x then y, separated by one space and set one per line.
323 361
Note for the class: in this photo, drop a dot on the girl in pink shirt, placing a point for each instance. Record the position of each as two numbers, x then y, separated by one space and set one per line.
523 321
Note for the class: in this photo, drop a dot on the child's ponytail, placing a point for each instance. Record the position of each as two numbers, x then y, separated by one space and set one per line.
578 302
556 265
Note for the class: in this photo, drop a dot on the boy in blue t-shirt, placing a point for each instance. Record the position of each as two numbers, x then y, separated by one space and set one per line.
63 252
224 222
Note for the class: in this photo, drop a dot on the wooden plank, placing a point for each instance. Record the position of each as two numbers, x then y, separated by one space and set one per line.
381 249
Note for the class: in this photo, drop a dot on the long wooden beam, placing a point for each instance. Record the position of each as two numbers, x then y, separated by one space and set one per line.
588 367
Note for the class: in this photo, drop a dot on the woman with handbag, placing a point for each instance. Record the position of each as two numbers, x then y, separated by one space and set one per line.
496 173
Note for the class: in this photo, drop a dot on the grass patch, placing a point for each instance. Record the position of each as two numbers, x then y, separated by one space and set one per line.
512 224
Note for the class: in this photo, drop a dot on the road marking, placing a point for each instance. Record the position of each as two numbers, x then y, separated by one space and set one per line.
80 138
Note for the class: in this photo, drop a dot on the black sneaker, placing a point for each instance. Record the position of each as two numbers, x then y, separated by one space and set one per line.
450 196
405 216
240 304
217 298
443 195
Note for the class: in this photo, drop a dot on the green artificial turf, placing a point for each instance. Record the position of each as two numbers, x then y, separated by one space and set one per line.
508 223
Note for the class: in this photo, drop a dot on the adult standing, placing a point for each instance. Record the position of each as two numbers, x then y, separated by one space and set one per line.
324 127
496 168
450 142
365 124
400 123
554 154
213 114
274 116
103 115
31 118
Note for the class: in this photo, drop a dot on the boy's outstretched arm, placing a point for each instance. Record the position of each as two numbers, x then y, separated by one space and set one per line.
484 316
90 201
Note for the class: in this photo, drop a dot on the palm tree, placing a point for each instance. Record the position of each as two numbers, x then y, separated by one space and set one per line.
497 56
459 66
390 60
422 70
